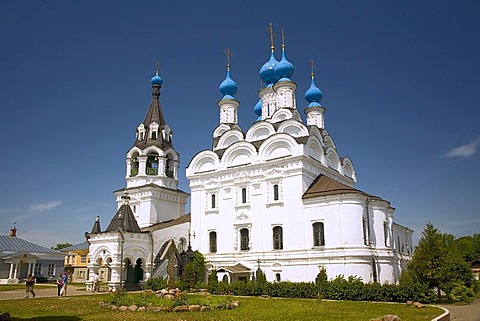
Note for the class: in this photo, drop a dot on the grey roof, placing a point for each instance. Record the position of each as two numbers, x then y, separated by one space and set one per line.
15 244
124 219
96 226
79 246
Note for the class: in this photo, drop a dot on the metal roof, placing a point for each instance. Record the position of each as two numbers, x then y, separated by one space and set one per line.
75 247
15 244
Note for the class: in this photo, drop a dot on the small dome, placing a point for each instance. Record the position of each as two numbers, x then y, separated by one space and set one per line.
228 87
313 95
258 109
156 80
267 72
284 69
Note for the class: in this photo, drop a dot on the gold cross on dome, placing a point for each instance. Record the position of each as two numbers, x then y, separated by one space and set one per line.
312 64
272 35
229 55
157 66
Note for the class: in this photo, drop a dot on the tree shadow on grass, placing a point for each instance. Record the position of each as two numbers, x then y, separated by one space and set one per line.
49 318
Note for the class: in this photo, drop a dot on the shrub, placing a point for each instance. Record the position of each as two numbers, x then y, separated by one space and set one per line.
155 284
460 293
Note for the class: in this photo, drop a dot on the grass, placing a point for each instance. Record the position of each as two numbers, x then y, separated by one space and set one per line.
21 286
251 308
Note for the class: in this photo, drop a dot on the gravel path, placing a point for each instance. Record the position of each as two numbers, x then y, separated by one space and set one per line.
470 312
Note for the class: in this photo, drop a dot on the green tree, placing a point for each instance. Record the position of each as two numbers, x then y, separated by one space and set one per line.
438 263
60 246
194 272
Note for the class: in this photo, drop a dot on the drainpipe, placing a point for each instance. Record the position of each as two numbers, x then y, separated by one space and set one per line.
151 256
121 258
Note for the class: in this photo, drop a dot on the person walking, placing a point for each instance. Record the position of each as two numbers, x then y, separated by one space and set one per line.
65 283
30 283
96 283
59 284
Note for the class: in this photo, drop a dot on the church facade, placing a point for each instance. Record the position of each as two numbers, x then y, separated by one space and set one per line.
277 196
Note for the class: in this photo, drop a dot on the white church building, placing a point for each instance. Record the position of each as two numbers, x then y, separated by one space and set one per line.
277 196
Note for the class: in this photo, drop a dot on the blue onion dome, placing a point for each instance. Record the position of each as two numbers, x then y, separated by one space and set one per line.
284 69
267 72
228 87
313 95
156 80
258 109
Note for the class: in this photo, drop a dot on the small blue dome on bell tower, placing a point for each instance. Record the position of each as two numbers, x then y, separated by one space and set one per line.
228 87
313 95
156 80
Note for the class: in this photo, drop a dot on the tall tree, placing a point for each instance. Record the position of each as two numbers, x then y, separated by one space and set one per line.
438 263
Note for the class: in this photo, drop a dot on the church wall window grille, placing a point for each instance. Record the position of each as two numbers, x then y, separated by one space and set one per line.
275 192
244 239
213 241
244 195
278 238
318 234
213 199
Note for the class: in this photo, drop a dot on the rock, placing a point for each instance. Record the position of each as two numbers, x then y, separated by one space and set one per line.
166 309
409 303
114 307
235 304
181 308
194 307
156 309
123 308
141 309
265 297
205 309
5 317
376 319
133 308
163 291
418 305
391 317
169 296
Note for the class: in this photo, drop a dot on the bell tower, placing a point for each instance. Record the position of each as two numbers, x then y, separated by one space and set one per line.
152 168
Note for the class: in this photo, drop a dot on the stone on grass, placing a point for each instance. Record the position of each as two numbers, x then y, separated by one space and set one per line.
194 307
166 309
418 305
391 317
265 297
181 308
114 307
133 307
205 309
123 308
141 309
410 303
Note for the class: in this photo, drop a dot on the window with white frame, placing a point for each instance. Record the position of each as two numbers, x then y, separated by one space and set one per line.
83 259
278 238
38 269
244 195
213 201
276 196
318 234
51 269
244 239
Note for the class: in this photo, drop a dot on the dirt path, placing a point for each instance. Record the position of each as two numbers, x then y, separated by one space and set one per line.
43 293
470 312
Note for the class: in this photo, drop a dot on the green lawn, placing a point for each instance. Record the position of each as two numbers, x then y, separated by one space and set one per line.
251 308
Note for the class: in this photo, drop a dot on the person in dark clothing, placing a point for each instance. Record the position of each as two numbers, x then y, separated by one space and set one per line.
30 283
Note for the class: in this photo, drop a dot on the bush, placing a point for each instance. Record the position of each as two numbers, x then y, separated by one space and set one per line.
460 293
155 284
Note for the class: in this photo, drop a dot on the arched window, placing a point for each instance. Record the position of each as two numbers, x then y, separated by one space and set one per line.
277 238
244 239
169 166
154 135
244 195
278 277
213 241
213 201
275 192
318 234
152 164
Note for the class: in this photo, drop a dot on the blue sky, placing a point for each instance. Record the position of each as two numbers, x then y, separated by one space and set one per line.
401 81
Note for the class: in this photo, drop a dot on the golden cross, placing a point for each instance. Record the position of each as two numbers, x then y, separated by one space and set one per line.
229 55
312 64
270 30
157 66
283 38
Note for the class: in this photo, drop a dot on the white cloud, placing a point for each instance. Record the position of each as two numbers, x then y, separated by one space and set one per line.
464 151
39 208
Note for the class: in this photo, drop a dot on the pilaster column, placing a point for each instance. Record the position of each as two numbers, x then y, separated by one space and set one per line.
161 165
142 165
10 276
129 167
